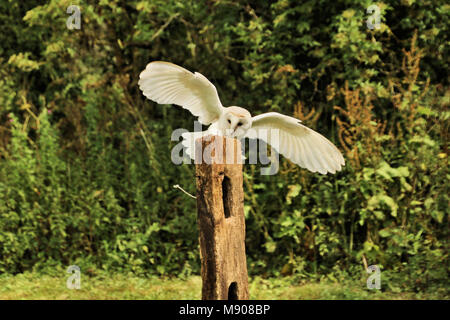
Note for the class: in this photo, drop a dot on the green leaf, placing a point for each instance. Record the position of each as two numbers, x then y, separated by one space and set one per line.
294 190
375 202
384 233
270 246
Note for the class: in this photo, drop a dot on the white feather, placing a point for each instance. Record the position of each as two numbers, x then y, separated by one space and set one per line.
300 144
167 83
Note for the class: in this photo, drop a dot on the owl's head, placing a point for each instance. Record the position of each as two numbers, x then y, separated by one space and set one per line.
235 121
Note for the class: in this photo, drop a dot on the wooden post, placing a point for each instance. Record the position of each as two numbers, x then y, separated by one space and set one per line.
221 221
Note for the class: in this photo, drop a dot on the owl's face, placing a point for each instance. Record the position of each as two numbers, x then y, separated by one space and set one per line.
235 121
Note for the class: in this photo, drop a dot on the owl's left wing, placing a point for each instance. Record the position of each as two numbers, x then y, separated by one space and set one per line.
300 144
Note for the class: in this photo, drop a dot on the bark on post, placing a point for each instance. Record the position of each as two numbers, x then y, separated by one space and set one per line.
221 221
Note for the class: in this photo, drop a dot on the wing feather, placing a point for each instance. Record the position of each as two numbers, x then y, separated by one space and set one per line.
302 161
167 83
300 144
315 158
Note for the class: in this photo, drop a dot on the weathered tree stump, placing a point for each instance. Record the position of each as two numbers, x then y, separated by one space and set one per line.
221 221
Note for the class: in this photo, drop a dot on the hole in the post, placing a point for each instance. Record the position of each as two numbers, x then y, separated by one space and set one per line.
226 196
232 291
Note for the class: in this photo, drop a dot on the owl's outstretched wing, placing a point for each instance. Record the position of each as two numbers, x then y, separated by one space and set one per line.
300 144
167 83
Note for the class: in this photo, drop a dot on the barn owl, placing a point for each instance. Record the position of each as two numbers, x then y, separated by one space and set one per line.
167 83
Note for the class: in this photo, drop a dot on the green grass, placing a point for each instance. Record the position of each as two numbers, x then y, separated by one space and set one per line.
120 286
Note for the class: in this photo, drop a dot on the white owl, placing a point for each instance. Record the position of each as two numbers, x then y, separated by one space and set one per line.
167 83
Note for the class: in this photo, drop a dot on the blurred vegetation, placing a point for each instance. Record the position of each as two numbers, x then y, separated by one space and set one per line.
85 170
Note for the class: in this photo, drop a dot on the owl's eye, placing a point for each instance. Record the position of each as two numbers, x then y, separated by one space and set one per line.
239 124
229 121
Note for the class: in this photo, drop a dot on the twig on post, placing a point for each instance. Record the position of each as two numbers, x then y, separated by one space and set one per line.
177 186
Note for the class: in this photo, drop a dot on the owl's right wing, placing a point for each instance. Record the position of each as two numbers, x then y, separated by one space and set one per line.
167 83
300 144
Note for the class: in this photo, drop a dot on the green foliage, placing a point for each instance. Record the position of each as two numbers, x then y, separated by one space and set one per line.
85 170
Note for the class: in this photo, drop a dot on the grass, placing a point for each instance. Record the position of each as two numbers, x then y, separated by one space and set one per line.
33 286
